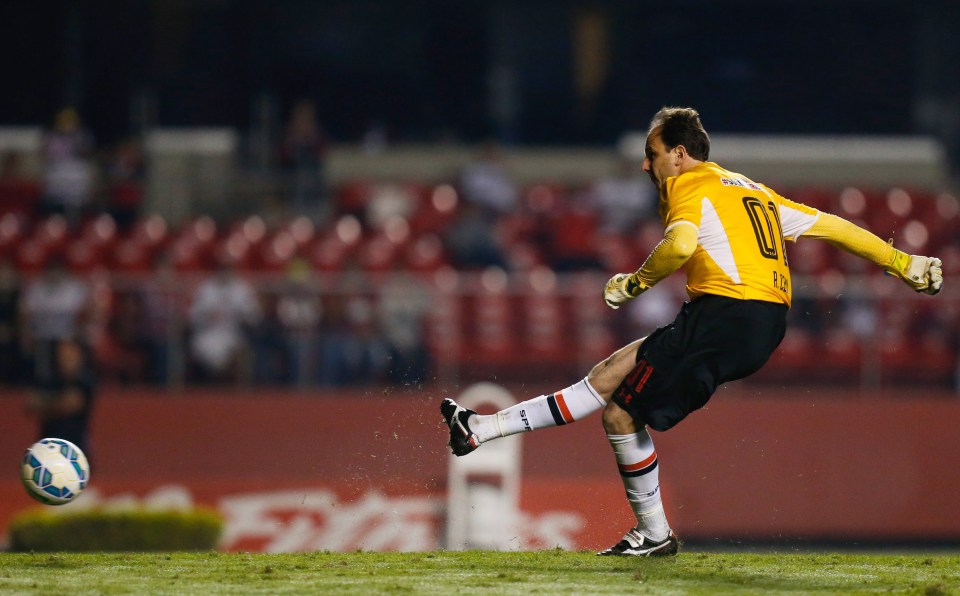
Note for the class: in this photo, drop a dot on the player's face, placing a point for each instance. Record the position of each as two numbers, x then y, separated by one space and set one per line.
658 162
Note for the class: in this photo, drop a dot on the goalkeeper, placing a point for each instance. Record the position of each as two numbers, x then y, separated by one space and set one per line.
728 234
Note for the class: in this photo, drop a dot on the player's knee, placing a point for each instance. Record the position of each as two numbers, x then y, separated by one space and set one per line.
609 373
617 421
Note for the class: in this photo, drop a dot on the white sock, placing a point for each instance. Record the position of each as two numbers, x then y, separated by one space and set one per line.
563 407
637 461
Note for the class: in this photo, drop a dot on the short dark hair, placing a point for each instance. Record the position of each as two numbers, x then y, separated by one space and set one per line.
681 126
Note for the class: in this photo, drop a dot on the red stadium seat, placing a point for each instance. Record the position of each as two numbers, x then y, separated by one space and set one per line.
436 210
523 256
277 253
810 257
236 250
352 197
195 246
53 233
488 327
188 255
132 256
31 255
302 230
543 197
818 197
252 229
202 229
941 214
151 231
426 253
619 252
84 256
101 232
379 253
548 332
332 250
13 228
443 332
571 242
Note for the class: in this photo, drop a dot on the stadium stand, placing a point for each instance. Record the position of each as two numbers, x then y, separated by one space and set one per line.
534 314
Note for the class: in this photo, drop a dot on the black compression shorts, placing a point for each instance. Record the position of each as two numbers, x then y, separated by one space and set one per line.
714 339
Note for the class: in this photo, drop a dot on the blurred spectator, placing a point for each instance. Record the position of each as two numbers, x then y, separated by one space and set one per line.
472 241
570 235
163 307
486 183
68 172
123 351
624 198
62 402
18 192
125 180
303 155
271 353
352 348
375 138
299 310
489 193
405 303
11 360
54 307
387 202
224 310
860 317
354 351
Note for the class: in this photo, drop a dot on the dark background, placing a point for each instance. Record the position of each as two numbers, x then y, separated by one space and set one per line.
431 70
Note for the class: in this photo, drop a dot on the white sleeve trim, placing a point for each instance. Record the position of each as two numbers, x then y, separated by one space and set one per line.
795 222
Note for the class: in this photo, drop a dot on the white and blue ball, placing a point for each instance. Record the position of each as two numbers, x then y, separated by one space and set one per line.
54 471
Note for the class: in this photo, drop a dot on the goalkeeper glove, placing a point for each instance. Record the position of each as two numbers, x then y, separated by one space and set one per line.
621 288
923 274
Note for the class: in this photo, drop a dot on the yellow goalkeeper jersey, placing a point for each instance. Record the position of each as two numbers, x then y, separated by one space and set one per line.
741 231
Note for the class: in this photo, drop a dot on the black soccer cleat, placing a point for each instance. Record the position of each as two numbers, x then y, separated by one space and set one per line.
635 544
462 440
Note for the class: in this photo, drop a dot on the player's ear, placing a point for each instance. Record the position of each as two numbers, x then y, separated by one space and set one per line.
679 155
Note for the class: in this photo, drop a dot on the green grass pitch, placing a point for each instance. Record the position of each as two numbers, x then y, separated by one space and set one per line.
478 572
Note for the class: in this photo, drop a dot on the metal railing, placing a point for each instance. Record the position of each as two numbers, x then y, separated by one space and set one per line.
358 328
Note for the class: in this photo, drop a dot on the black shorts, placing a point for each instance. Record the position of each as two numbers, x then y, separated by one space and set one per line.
713 340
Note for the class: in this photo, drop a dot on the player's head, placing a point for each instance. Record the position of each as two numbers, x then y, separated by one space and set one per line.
682 126
676 142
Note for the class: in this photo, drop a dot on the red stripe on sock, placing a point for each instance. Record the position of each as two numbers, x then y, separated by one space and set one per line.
639 465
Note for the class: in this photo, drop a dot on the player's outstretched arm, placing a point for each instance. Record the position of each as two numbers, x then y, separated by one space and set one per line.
678 244
923 274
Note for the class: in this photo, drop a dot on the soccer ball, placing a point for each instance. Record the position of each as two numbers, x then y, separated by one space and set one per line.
54 471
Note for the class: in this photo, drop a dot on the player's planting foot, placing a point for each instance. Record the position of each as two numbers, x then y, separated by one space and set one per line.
635 544
462 440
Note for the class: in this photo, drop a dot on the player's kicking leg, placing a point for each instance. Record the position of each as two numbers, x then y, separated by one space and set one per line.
633 449
468 430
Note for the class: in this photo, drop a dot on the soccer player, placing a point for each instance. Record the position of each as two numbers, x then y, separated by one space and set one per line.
728 234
